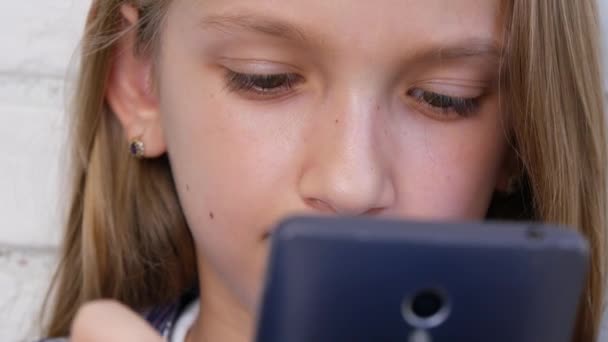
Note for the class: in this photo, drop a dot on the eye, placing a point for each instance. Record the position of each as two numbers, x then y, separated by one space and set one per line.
444 104
259 84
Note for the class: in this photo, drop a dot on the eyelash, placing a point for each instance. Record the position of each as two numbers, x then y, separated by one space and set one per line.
445 104
259 84
270 85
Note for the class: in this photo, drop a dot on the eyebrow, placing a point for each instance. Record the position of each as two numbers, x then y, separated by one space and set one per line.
472 47
257 24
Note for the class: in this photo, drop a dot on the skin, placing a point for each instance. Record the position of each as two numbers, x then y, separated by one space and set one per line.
353 134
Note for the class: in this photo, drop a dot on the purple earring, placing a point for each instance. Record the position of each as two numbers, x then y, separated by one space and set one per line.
136 147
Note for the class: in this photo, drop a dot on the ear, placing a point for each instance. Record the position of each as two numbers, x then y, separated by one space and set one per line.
130 92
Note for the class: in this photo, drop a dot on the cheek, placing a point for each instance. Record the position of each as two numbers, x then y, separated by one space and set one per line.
231 164
451 169
228 162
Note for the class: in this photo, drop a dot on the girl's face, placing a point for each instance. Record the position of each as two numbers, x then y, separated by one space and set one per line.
270 108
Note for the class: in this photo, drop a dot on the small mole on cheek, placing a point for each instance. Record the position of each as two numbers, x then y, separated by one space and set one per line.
337 121
211 215
187 187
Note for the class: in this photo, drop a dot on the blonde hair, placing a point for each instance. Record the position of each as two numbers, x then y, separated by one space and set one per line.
126 232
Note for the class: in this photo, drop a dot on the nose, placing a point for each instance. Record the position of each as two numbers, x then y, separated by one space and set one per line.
346 170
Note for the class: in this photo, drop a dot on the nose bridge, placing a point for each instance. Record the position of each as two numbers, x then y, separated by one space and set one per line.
347 170
353 136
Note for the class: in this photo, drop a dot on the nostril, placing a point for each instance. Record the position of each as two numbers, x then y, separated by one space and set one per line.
325 208
320 205
374 211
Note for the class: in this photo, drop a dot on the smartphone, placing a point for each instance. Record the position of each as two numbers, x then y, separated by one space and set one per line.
363 279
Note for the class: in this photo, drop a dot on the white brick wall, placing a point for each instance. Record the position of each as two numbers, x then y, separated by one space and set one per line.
38 39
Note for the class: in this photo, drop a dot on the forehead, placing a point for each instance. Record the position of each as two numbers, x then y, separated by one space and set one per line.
370 24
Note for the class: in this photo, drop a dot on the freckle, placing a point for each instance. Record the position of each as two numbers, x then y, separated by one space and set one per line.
187 187
337 121
211 215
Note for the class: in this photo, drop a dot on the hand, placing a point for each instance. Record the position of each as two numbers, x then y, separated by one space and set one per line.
105 321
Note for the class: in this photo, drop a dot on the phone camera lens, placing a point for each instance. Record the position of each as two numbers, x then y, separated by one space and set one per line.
427 304
426 309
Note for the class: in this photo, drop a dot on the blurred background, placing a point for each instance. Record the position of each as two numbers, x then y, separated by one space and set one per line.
38 45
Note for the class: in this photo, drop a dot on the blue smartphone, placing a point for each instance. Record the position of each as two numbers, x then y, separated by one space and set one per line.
363 279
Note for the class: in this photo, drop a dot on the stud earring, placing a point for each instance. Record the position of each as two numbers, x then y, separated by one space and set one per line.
136 147
513 184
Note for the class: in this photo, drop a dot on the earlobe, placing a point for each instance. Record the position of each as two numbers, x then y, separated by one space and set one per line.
130 92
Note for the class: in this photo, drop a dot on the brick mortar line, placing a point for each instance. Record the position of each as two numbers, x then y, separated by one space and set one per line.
35 250
32 75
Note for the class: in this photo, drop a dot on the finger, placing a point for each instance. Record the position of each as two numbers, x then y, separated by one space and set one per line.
111 321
